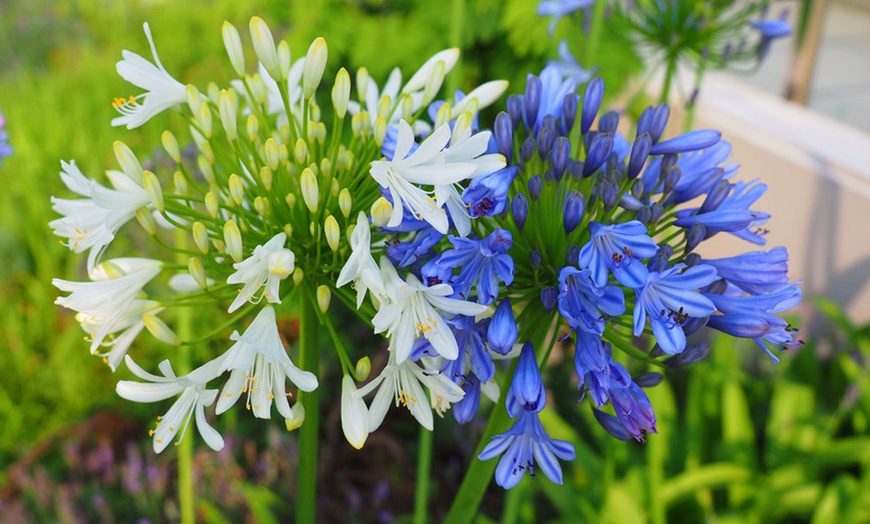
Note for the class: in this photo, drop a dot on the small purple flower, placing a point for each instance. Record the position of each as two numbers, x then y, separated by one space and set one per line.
582 303
487 195
419 248
481 263
732 216
5 149
618 248
527 390
559 9
549 100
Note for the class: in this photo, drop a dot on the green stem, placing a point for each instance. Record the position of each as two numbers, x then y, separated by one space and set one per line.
184 329
594 34
693 98
424 464
456 19
670 72
309 360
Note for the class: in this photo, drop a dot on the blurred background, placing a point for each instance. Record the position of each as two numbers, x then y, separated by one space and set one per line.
740 440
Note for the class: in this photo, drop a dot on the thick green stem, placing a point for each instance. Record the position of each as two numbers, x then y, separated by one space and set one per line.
453 82
184 330
594 35
309 360
670 72
424 465
693 98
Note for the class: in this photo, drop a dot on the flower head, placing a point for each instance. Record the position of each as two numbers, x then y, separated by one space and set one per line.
262 272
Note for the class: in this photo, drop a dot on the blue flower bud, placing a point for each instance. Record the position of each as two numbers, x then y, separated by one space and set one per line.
692 260
644 121
573 255
549 122
667 163
743 326
515 109
572 210
693 324
670 179
643 215
691 141
520 209
527 386
576 169
599 150
502 332
694 236
549 297
591 103
535 259
639 154
715 197
690 355
608 192
569 111
560 155
612 425
545 141
503 134
656 212
609 122
532 100
637 188
659 121
528 149
648 380
550 175
536 183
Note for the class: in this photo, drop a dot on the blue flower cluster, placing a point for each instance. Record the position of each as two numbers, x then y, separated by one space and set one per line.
5 149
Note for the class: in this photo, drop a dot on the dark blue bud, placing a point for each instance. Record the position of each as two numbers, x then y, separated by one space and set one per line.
614 168
629 202
608 192
549 296
599 150
612 425
648 380
669 181
532 100
545 141
656 212
659 121
503 133
691 141
560 155
639 154
609 122
667 163
520 209
690 355
535 259
658 262
528 149
743 326
515 110
573 255
692 260
536 183
569 111
643 215
549 122
550 175
572 210
502 332
591 103
717 288
637 188
645 120
694 236
526 385
693 324
576 169
715 197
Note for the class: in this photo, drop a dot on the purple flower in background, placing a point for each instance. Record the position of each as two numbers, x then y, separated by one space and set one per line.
560 8
569 66
5 149
771 30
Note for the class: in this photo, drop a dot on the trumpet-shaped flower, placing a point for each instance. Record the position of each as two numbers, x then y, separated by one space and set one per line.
107 303
263 272
5 149
411 312
259 366
583 304
481 264
360 267
619 248
91 223
162 91
122 332
354 414
190 405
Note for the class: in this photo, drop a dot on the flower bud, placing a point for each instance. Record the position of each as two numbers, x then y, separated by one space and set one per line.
434 82
129 163
691 141
324 295
549 296
205 168
170 144
197 271
152 187
297 417
200 236
266 177
532 100
332 232
362 369
180 182
528 148
385 106
270 151
407 103
258 88
462 127
572 210
591 103
354 414
237 191
233 240
515 110
288 230
298 275
503 133
695 235
252 126
715 197
502 332
545 139
160 330
203 119
560 155
379 133
520 210
423 77
211 204
609 122
482 96
213 92
233 43
285 61
599 150
341 92
659 121
572 257
535 259
146 220
282 263
536 184
262 206
569 111
442 117
310 189
264 46
228 107
290 199
362 83
382 210
315 63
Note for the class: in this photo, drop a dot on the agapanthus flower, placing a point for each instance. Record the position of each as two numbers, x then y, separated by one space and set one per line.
487 195
583 303
560 8
618 249
262 272
360 267
189 406
481 263
5 149
259 366
162 91
756 272
123 332
732 216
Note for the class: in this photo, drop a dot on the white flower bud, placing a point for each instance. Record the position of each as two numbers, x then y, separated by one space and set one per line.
326 169
211 204
152 187
443 116
332 232
324 296
433 85
356 122
362 83
160 330
233 240
385 106
298 275
291 200
205 168
129 163
262 206
315 111
382 210
284 59
345 202
197 271
485 94
282 263
423 75
146 220
233 43
237 190
170 144
283 154
288 230
349 232
461 128
213 92
258 87
341 92
354 414
362 369
315 63
264 46
252 126
270 150
200 236
379 132
297 417
266 177
310 189
300 151
219 245
407 108
228 105
194 98
180 182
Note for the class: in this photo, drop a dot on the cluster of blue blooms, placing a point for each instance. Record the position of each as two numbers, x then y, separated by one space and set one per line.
5 148
588 233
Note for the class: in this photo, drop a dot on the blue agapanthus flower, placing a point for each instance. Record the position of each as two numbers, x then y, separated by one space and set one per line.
618 249
559 9
583 303
732 215
5 149
481 264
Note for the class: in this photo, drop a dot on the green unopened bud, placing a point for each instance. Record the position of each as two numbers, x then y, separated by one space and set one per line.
258 87
345 159
283 154
270 150
332 232
298 275
363 368
311 132
407 107
356 122
297 417
228 106
180 182
300 151
264 46
324 296
146 220
233 240
345 202
385 106
443 116
207 152
315 62
362 83
291 200
349 232
170 144
233 43
213 92
310 189
219 245
211 204
197 271
193 97
288 230
341 92
262 206
433 84
326 169
237 190
200 236
152 187
129 163
284 59
160 330
315 111
312 229
252 126
366 123
205 168
266 178
382 210
380 131
462 127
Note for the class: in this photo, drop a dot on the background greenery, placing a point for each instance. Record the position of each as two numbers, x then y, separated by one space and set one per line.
739 439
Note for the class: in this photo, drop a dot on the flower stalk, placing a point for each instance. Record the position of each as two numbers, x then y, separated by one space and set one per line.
309 344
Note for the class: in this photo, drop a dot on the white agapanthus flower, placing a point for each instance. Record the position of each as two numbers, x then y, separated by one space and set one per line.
122 332
424 75
354 414
107 303
429 165
262 272
190 405
414 310
91 222
405 384
259 366
360 267
162 91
